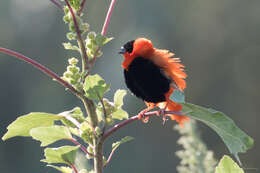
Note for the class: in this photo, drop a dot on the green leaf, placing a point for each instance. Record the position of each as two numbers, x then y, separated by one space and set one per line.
49 135
57 155
120 114
62 169
75 113
69 46
235 139
102 40
23 124
118 98
227 165
95 87
70 156
123 140
178 96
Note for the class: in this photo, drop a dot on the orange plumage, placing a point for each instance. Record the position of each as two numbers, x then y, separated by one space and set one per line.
152 75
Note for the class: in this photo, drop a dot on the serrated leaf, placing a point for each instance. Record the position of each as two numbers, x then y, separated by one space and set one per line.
235 139
62 169
227 165
55 155
102 40
95 87
118 98
123 140
51 134
119 114
178 96
23 124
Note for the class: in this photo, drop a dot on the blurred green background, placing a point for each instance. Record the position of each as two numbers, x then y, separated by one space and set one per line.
218 41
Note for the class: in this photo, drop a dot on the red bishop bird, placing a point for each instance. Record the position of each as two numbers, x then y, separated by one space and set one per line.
152 75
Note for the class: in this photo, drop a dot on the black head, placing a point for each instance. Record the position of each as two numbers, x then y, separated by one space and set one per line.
128 47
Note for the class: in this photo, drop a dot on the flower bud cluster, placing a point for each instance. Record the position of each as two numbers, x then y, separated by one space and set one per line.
72 75
92 46
83 27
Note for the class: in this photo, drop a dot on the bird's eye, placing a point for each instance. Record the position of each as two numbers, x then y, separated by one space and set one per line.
129 46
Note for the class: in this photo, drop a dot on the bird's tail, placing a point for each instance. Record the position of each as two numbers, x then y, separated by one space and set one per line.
176 107
170 105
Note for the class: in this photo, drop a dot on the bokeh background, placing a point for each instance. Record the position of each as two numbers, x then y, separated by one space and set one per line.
218 41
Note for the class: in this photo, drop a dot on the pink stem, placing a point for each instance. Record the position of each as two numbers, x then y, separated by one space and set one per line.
57 4
110 156
74 168
82 6
42 68
133 118
108 17
81 146
104 29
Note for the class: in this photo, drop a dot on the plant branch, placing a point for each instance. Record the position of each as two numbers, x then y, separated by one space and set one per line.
42 68
110 156
104 29
104 110
57 4
136 117
81 43
82 6
108 17
91 111
81 146
74 168
98 148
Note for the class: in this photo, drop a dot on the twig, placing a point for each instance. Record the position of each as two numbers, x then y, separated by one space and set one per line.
104 110
74 168
57 4
81 43
82 6
105 115
108 17
104 29
110 156
41 68
133 118
81 146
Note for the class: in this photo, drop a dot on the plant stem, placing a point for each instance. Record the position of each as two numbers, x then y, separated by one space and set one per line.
74 168
41 68
82 6
98 148
110 156
134 118
104 29
108 17
91 111
81 43
57 4
81 146
98 159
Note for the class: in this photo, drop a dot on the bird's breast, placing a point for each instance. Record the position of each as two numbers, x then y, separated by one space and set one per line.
147 80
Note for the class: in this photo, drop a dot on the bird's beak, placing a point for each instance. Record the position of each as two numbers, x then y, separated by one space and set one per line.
122 50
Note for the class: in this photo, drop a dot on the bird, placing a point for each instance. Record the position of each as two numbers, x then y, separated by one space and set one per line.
152 75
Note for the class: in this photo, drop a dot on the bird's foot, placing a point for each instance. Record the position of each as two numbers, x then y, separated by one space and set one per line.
162 112
142 117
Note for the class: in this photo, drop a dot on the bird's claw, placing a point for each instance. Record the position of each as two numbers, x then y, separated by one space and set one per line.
142 117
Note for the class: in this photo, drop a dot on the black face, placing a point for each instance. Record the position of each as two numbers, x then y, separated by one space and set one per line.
129 46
